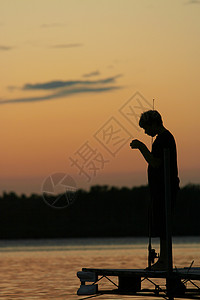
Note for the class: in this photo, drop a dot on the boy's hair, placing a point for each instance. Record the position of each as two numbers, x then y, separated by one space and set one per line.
150 117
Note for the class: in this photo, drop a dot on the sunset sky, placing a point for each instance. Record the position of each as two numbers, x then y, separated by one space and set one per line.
71 70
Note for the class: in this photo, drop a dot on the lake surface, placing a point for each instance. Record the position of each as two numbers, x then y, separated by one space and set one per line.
46 269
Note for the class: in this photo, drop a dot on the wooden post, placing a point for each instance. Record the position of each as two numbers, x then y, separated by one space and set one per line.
168 220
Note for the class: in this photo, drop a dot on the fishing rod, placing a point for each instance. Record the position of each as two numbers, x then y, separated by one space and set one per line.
151 252
152 137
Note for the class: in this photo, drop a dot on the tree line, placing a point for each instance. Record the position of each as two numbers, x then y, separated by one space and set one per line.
102 211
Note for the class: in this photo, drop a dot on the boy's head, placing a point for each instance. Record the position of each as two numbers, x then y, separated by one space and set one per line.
150 121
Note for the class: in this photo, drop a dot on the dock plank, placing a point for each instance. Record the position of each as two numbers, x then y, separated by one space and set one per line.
182 273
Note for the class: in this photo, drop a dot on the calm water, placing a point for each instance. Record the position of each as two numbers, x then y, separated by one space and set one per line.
46 269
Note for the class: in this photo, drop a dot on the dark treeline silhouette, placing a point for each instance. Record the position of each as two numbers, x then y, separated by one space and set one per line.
103 211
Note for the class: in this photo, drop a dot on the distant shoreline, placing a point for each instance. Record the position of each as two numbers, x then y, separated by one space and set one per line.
102 212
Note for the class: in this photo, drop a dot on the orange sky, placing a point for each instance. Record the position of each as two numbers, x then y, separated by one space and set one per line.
67 67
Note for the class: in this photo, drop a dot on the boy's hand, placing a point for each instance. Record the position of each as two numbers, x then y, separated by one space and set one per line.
136 144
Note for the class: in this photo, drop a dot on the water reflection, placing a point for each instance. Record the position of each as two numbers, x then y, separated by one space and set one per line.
46 269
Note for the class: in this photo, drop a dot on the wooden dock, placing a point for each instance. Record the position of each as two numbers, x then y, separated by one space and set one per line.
183 282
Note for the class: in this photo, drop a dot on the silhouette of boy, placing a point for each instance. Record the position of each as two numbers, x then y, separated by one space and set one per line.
151 122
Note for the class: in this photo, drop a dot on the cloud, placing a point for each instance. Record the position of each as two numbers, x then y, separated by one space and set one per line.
61 89
5 48
60 94
95 73
56 84
67 45
193 2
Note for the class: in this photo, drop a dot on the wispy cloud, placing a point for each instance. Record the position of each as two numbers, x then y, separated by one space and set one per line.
67 45
95 73
193 2
60 94
5 48
61 89
57 84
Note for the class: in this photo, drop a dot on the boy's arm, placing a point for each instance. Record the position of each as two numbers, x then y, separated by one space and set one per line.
148 156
